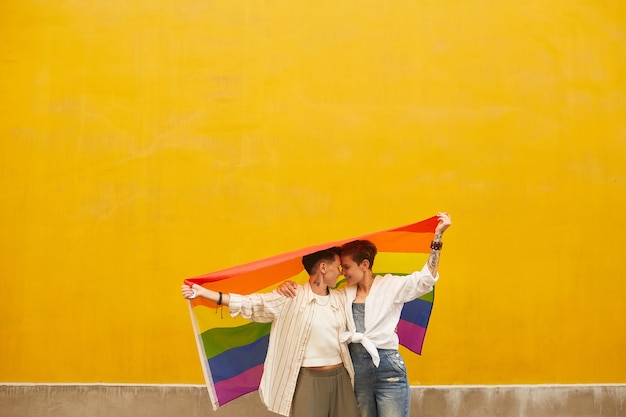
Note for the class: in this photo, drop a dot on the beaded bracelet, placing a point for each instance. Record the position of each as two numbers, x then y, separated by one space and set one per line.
436 245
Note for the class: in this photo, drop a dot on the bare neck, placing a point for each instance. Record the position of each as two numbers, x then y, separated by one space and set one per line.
363 287
317 285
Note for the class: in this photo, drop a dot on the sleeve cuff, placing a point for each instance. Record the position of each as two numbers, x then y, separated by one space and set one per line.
234 304
427 276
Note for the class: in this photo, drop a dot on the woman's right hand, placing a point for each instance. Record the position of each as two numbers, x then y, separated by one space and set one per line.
188 291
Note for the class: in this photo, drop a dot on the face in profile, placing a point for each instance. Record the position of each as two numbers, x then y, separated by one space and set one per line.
351 270
333 272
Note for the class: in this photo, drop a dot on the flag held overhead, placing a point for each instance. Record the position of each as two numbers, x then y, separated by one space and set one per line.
232 350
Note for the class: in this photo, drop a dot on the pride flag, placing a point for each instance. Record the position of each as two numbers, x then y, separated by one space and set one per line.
232 350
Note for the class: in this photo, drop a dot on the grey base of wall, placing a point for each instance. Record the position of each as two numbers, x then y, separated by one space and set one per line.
193 401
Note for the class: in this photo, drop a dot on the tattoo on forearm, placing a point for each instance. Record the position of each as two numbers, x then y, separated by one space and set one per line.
437 237
433 259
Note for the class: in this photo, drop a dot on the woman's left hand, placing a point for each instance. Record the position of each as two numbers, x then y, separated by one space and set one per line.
444 222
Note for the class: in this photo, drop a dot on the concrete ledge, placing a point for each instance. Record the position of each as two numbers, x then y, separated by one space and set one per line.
42 400
520 401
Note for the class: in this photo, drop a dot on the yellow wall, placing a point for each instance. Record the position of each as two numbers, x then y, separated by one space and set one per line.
145 142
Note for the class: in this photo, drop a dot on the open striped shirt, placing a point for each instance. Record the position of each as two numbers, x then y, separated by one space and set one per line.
291 320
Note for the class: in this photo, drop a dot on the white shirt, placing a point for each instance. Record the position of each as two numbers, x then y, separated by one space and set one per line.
322 348
383 307
292 320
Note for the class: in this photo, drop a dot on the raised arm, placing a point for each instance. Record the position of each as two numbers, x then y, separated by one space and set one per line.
196 290
259 307
437 244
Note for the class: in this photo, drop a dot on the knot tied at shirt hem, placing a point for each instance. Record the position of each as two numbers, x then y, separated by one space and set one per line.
357 337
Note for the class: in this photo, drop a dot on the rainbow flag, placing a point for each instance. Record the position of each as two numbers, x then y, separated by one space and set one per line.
232 350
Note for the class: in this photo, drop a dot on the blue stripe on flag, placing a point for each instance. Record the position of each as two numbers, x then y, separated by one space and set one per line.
417 312
237 360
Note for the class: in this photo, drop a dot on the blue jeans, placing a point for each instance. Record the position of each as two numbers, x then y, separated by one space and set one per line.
382 391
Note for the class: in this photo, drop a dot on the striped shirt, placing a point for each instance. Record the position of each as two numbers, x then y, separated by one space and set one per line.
291 320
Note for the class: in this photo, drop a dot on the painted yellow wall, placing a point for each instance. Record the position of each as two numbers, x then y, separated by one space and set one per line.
145 142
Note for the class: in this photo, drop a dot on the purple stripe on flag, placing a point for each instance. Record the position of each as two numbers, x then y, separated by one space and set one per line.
247 381
411 336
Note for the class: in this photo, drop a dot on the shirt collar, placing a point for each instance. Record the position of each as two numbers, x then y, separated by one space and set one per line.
310 295
308 292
